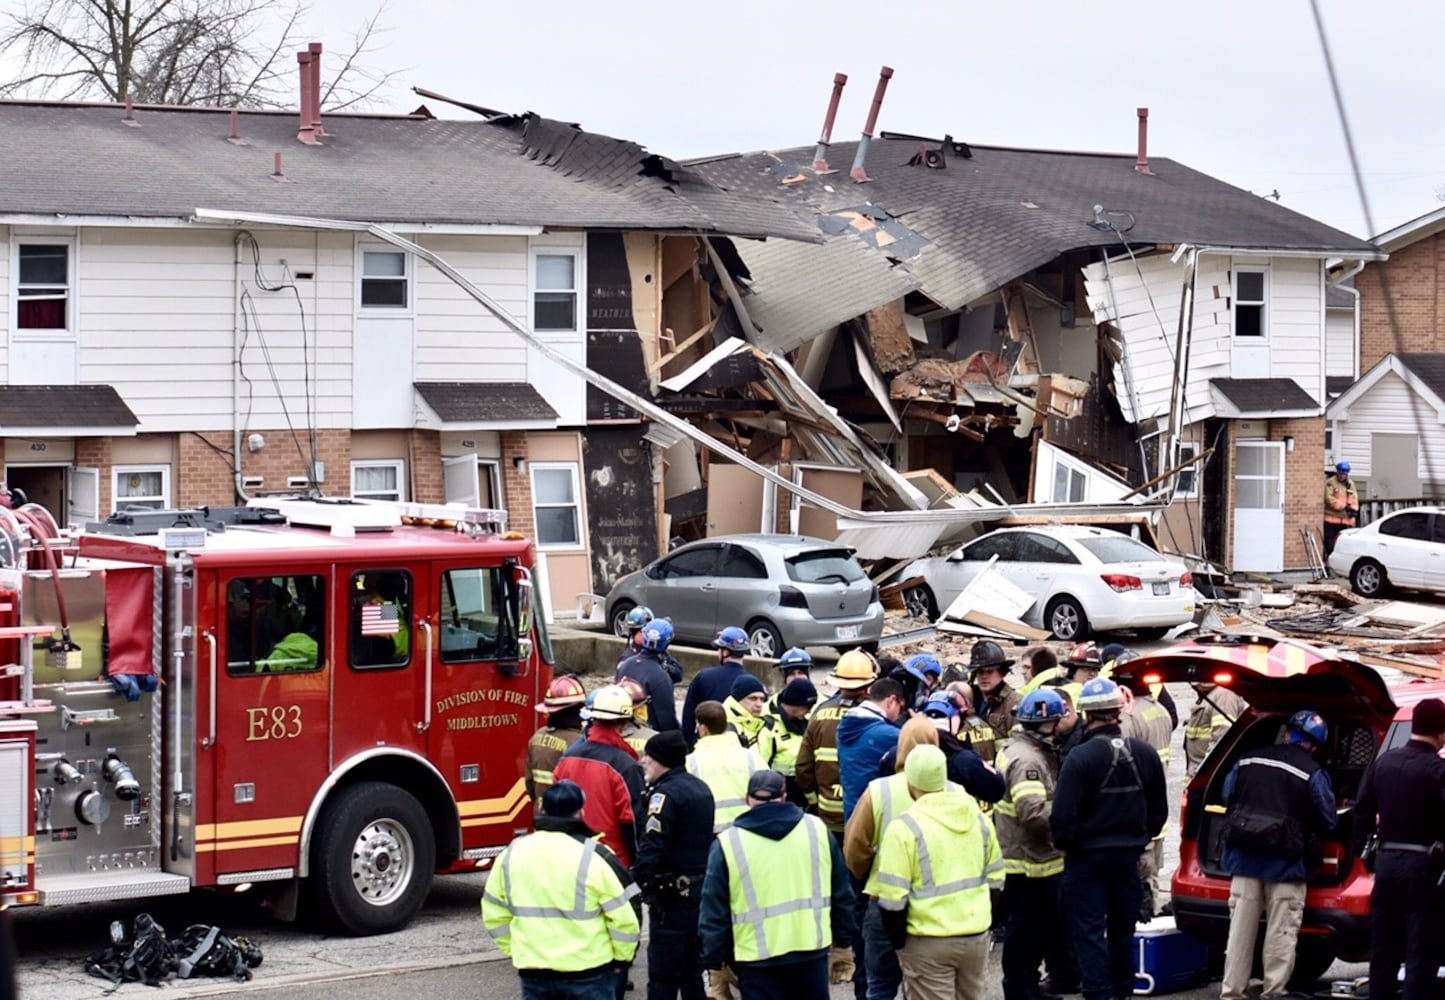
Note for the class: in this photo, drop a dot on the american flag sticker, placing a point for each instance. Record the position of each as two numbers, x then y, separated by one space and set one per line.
380 619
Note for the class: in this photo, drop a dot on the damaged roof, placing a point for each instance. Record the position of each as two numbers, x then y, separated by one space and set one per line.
86 159
983 220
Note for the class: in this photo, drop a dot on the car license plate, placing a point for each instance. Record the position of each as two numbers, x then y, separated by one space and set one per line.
1161 589
849 631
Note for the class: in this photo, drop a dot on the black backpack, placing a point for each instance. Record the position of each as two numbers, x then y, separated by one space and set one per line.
149 957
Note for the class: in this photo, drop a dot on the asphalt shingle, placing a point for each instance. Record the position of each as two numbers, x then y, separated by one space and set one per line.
484 402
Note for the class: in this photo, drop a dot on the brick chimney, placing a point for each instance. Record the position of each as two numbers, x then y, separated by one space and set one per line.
315 49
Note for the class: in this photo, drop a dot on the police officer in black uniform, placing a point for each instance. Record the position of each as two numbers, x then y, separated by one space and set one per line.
672 845
1405 787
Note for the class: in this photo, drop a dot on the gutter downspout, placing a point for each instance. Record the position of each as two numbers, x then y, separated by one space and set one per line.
236 478
1355 294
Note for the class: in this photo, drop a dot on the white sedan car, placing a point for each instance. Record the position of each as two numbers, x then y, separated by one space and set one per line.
1082 579
1403 549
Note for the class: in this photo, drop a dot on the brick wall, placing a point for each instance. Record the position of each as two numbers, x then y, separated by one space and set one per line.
1415 277
95 453
1304 482
206 475
517 485
425 466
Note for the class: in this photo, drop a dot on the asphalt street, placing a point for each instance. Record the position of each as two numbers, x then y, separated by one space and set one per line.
444 952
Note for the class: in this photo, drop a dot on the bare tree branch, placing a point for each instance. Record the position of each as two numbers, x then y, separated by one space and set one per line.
219 52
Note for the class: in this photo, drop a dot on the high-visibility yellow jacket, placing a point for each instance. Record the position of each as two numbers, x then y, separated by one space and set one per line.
1022 816
1212 716
747 725
884 801
725 766
939 859
785 742
779 891
553 903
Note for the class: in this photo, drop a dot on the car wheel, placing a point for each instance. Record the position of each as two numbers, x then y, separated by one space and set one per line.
1368 579
920 602
1065 618
765 640
620 611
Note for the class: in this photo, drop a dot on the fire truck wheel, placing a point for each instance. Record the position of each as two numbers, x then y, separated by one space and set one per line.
373 859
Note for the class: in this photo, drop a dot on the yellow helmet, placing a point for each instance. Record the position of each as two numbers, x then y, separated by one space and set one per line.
612 702
855 669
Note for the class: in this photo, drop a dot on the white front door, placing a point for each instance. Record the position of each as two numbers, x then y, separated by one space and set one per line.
460 481
1259 506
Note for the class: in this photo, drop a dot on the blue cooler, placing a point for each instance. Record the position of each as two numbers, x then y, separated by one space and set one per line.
1168 960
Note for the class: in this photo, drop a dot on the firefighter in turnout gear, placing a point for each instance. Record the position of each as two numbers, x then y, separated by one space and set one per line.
672 848
775 898
1033 865
722 763
1111 800
635 730
996 701
1145 719
558 904
1211 718
562 708
1342 505
818 775
936 866
787 722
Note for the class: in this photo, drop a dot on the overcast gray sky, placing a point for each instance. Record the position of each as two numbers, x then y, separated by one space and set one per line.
1236 88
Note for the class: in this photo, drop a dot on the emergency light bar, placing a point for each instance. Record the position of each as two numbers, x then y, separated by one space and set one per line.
347 514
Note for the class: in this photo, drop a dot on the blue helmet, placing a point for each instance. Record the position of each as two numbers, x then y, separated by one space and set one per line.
638 617
796 658
940 705
1307 725
657 634
1042 705
922 664
1100 695
1343 467
732 638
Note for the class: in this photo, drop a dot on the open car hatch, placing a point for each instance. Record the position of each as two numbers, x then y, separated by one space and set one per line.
1272 674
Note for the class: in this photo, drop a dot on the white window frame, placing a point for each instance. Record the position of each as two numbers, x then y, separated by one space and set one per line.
574 468
397 464
1183 451
119 471
490 469
579 290
72 300
1074 475
409 267
1263 302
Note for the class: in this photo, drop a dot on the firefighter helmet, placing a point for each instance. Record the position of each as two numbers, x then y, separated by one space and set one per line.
732 638
1085 655
612 702
637 618
634 690
1041 706
1100 695
796 658
1307 725
855 669
987 654
922 665
565 691
657 634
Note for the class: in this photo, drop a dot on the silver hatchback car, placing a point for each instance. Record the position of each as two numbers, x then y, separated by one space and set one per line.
786 590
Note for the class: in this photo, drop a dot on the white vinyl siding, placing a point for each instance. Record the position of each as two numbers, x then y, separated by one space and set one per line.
457 339
1296 317
1340 342
1390 406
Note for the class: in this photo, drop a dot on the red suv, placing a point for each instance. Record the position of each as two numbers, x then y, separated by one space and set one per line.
1278 677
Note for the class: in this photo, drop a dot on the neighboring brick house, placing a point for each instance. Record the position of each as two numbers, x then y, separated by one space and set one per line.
1402 301
148 358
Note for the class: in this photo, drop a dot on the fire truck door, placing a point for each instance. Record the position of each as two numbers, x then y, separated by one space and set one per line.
272 722
483 695
379 672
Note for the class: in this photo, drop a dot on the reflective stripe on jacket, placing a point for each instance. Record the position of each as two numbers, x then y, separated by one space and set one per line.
817 771
544 750
551 903
1022 817
939 859
780 891
725 766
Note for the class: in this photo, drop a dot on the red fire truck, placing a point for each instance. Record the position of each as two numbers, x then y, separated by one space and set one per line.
326 700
